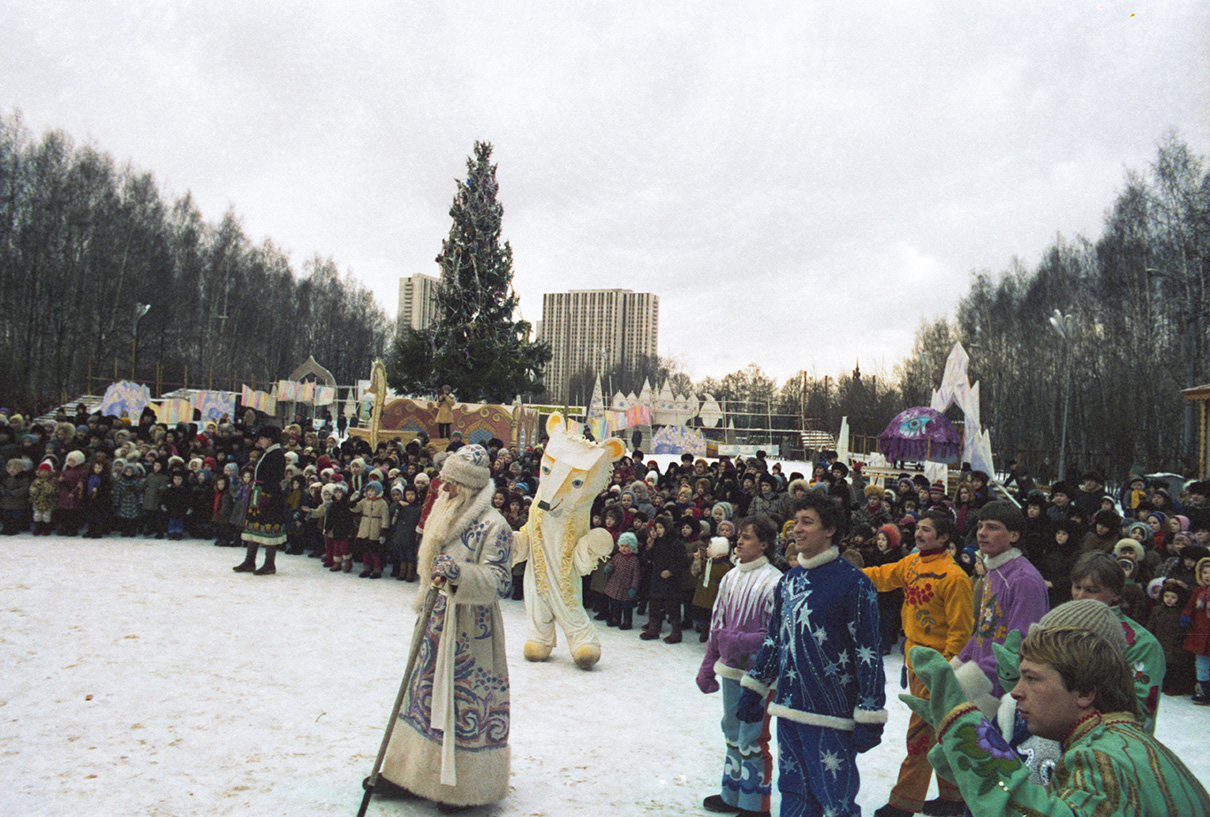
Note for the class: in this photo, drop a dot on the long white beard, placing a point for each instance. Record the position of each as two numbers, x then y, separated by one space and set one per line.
442 519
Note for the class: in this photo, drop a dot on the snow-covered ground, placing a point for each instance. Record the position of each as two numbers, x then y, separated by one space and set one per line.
143 677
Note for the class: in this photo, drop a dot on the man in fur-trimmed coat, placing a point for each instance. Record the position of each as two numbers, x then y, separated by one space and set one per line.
450 740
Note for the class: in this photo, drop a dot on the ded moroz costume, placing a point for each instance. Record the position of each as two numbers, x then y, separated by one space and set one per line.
449 742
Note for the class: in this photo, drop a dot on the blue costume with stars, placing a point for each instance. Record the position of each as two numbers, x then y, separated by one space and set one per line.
822 658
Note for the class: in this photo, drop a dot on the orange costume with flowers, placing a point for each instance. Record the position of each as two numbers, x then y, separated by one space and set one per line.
938 612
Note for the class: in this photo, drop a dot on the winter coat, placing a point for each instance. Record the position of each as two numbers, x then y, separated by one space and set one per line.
624 575
375 518
223 505
71 488
339 521
1165 625
153 489
874 517
705 591
176 501
239 505
1198 609
668 554
44 493
265 519
98 493
14 492
403 530
128 497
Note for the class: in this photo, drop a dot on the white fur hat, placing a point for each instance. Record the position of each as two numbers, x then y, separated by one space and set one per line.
468 466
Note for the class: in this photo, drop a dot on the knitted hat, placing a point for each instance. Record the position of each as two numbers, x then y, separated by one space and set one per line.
74 458
468 466
727 510
1086 614
1004 512
628 539
726 528
45 466
375 486
1184 520
938 486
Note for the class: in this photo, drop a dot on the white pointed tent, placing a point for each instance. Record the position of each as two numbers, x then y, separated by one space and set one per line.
711 413
956 388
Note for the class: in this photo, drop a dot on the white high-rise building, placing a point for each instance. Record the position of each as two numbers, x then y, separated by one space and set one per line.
596 329
417 302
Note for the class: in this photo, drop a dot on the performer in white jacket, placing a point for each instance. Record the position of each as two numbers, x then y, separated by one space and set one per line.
737 630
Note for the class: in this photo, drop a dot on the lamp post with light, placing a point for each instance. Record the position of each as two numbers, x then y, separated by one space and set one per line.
1065 326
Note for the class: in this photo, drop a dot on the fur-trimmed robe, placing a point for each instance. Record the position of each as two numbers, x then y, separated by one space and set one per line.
450 741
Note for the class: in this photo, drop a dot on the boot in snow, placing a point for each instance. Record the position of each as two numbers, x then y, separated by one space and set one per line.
268 568
249 563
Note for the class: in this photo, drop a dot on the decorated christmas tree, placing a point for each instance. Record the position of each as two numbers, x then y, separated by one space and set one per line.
476 345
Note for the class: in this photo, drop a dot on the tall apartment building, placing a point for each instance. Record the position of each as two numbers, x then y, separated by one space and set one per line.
417 302
596 329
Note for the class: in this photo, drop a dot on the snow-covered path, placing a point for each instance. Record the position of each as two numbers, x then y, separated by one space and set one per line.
143 677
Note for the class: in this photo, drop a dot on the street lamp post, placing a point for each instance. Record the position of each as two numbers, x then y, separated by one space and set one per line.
1065 326
139 311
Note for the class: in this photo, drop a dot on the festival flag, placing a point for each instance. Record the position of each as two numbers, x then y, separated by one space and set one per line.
214 405
126 398
325 395
173 411
258 400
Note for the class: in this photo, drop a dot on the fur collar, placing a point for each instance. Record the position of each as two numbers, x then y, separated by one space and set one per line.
819 559
760 561
997 562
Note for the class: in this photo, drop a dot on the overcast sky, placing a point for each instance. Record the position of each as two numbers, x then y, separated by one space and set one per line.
801 183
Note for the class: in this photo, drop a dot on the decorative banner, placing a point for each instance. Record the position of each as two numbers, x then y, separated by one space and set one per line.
214 405
286 391
678 440
598 428
258 400
126 398
307 393
639 415
171 412
325 395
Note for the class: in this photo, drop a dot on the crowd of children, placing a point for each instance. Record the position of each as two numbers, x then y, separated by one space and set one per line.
680 531
675 528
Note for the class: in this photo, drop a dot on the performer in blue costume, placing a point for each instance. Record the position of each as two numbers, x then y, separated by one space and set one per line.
822 660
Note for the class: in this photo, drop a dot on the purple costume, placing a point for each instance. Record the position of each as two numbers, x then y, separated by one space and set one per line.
1014 597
